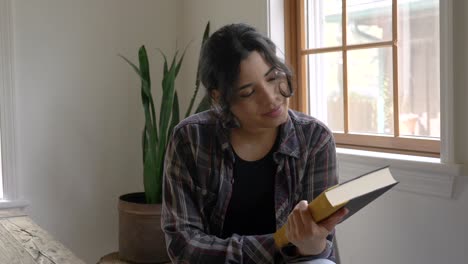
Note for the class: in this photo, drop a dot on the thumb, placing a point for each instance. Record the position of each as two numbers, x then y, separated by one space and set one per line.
302 205
334 219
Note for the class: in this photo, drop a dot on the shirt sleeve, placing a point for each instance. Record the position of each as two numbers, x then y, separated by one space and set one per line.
320 173
185 225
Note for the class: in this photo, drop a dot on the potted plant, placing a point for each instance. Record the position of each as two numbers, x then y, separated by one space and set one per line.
141 239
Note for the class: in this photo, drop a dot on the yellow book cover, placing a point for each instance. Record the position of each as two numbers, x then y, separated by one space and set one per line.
353 194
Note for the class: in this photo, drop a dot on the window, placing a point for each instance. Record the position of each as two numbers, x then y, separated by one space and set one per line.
375 79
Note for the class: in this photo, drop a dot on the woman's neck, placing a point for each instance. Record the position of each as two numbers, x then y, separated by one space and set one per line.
255 134
253 144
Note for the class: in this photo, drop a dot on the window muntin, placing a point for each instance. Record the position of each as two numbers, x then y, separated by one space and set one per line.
378 75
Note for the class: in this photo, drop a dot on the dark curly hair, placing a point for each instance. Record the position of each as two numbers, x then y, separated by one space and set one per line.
222 54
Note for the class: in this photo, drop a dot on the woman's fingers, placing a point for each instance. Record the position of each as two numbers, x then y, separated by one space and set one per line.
309 226
295 223
304 225
295 226
302 231
334 219
301 224
301 205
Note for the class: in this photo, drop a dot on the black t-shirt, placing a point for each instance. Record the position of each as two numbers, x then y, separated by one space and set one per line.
251 210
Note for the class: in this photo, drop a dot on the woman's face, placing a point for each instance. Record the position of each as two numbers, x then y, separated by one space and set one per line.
258 102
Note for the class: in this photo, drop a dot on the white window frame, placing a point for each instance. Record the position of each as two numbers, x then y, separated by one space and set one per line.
7 107
427 176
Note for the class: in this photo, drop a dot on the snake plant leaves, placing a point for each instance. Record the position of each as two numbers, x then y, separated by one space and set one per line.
155 134
202 106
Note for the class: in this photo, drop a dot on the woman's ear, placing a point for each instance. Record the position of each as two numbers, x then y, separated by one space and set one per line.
215 96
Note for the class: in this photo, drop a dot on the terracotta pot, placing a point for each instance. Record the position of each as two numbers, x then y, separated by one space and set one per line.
141 239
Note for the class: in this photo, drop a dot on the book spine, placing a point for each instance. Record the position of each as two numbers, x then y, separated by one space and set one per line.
280 237
320 208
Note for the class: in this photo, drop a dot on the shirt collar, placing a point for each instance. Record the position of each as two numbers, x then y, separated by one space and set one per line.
288 141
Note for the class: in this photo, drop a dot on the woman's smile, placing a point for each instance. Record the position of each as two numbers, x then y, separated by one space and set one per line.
275 112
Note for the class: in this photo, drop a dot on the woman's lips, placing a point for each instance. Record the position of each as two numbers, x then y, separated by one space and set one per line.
275 112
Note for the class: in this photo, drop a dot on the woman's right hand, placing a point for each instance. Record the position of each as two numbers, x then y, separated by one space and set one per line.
308 236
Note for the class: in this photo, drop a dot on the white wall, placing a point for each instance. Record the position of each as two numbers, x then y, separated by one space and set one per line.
193 16
79 122
79 116
78 109
406 227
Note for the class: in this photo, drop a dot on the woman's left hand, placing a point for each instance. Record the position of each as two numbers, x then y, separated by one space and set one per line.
308 236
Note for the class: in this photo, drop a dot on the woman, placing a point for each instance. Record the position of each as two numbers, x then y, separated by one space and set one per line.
237 173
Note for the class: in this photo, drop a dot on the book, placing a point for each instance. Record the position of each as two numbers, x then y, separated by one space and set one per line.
353 194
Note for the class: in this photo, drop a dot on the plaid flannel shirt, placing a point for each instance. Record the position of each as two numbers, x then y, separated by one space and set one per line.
198 179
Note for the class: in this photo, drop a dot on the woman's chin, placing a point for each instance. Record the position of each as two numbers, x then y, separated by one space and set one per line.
276 121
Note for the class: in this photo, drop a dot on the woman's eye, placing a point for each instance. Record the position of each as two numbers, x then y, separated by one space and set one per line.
246 93
273 77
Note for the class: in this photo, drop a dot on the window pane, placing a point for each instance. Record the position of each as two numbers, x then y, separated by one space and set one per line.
370 91
325 82
419 71
323 23
369 21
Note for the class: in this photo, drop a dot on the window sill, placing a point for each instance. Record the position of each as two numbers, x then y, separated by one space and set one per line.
421 175
13 204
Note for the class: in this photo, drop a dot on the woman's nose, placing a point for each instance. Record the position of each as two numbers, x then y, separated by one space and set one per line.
269 92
